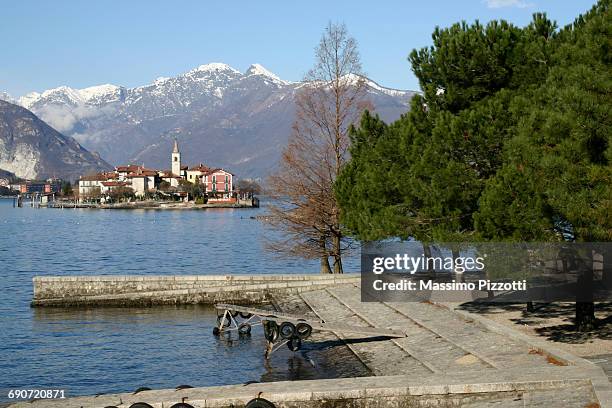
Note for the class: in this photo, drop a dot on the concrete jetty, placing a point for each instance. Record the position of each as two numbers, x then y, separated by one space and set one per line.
144 290
449 358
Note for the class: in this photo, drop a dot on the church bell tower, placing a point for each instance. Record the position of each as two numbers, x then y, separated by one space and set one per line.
176 159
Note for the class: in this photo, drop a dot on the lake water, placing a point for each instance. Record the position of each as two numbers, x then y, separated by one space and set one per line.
90 351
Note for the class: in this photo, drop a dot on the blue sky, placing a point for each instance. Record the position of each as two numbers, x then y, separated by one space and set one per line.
84 43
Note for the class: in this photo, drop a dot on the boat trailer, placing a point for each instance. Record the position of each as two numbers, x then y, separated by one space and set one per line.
283 329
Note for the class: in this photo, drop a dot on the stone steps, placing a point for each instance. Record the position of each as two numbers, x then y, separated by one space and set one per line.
438 339
436 351
394 360
502 351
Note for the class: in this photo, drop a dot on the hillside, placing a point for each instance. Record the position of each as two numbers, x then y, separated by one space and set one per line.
30 148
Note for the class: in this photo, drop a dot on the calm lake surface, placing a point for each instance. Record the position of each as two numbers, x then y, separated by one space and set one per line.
90 351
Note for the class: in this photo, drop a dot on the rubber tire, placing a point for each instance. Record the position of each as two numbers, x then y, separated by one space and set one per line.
216 331
270 331
182 405
295 343
244 329
303 330
226 323
260 403
141 405
245 315
287 330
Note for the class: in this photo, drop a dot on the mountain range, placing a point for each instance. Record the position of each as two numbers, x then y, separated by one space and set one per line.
30 148
220 116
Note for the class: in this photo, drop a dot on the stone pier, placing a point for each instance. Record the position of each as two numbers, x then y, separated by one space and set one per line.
136 290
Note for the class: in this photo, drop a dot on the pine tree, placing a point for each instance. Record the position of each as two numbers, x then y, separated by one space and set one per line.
510 141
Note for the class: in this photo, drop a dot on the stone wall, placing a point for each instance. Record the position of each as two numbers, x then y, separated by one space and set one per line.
134 290
361 392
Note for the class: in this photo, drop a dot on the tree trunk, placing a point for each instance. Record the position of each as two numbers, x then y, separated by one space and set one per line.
427 252
585 316
607 268
338 265
585 308
324 258
337 255
325 265
459 276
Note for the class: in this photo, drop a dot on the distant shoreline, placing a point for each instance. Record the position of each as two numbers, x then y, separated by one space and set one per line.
146 206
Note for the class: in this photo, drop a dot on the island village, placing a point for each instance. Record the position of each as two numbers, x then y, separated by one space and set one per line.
200 184
136 186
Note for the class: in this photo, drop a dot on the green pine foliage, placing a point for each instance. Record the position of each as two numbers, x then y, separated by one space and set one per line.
511 139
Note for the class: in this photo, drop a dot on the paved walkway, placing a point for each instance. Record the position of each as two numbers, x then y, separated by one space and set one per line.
604 361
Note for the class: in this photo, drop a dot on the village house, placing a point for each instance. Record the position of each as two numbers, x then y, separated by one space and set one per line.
91 185
169 177
217 183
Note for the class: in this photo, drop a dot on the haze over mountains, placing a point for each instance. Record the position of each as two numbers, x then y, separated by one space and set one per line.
239 121
32 149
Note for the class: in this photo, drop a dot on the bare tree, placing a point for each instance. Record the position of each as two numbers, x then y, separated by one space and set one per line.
248 186
331 99
121 193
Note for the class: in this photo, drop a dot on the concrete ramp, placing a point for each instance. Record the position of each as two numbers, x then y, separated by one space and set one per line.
321 325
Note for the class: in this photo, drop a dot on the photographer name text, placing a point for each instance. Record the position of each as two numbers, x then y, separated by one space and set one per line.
482 284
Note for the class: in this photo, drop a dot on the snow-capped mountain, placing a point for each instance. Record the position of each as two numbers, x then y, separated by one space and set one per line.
7 98
95 95
220 115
